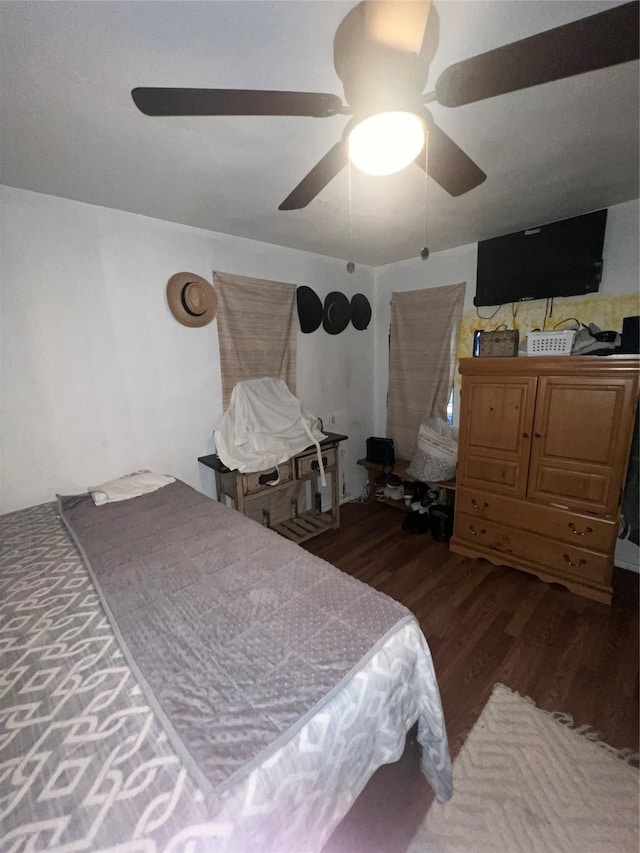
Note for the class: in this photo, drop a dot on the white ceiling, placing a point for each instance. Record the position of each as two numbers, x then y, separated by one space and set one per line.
70 128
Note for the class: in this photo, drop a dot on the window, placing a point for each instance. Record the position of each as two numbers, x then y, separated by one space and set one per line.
425 327
450 407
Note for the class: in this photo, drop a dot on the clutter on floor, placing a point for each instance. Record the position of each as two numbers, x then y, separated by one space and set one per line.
426 511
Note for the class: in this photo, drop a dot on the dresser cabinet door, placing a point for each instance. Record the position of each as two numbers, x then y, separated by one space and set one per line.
580 441
496 419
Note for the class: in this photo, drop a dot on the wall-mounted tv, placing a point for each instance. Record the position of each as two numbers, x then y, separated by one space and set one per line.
560 259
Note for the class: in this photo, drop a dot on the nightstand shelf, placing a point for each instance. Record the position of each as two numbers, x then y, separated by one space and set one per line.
399 467
305 526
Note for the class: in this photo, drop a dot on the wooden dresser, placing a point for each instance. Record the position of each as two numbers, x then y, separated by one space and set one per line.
543 449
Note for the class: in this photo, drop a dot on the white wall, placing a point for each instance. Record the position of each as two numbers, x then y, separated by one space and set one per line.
98 378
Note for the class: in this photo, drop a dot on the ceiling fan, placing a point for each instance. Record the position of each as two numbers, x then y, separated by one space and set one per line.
382 51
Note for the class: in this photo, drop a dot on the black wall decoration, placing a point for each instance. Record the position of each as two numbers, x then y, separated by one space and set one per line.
309 309
360 311
335 314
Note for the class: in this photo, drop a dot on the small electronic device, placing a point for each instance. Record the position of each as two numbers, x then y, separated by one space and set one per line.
380 451
499 344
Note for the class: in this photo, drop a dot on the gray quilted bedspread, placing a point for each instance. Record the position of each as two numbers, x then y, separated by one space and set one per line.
237 635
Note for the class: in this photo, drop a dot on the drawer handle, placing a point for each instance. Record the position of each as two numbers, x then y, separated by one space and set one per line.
475 533
315 466
577 565
270 479
478 506
577 532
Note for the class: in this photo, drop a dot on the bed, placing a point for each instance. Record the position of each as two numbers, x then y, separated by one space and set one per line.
176 677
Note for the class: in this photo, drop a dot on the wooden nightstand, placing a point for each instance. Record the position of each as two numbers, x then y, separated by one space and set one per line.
299 477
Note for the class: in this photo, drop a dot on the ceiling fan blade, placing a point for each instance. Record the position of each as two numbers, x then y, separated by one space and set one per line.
447 163
322 173
399 24
607 38
234 102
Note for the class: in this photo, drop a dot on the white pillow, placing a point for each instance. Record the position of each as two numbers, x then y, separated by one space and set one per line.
130 486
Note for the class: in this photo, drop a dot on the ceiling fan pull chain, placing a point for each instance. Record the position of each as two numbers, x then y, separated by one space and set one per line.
424 253
350 264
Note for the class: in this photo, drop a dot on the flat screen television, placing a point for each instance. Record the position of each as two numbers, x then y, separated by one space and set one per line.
560 259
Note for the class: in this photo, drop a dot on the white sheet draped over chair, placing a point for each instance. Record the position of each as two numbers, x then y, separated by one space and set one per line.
264 426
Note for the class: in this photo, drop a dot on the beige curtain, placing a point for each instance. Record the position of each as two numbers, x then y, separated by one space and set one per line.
425 327
257 330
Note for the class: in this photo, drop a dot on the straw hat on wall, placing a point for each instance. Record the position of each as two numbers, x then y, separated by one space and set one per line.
192 300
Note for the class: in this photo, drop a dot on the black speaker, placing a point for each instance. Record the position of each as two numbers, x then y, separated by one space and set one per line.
630 344
380 451
441 522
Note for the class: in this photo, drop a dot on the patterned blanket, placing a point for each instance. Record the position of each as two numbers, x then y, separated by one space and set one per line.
85 762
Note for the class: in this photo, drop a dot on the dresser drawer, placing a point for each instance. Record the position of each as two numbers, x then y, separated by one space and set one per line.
306 465
576 529
514 544
256 481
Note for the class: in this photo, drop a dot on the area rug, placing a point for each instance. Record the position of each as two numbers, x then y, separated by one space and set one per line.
526 781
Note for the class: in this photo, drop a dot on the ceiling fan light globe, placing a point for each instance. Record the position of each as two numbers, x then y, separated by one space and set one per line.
385 143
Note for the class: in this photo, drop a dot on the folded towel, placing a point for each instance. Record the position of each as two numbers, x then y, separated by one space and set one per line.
130 486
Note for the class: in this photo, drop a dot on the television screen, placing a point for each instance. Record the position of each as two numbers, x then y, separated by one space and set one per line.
560 259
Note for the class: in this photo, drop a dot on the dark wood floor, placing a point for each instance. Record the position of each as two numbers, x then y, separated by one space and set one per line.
484 624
